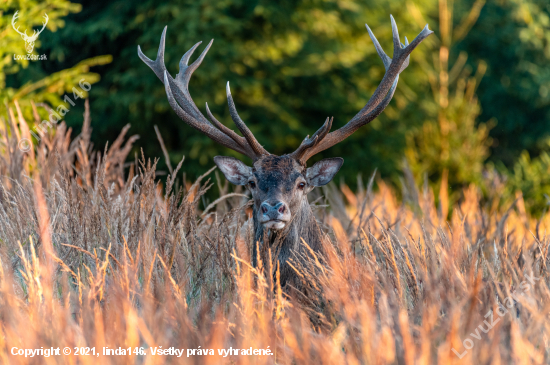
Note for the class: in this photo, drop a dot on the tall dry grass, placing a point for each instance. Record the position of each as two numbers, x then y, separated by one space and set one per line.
93 258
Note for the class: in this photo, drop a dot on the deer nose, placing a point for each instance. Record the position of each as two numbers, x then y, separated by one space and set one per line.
275 211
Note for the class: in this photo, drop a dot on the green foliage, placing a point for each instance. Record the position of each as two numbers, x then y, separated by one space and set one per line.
450 148
293 63
30 15
18 81
531 177
513 37
451 141
290 65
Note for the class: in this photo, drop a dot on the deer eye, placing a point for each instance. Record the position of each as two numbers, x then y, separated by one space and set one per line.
252 184
301 185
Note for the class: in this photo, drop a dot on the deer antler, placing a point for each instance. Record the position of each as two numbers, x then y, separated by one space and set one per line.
382 96
177 91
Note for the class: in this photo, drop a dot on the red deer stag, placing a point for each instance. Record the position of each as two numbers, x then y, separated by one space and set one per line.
279 184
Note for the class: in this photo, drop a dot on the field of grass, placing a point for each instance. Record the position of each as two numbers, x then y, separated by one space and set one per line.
93 258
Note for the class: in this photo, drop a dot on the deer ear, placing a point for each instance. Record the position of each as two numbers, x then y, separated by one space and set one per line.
323 171
234 170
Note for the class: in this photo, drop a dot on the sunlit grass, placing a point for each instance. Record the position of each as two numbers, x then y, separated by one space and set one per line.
93 258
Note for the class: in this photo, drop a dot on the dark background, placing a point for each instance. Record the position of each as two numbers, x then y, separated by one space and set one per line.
293 63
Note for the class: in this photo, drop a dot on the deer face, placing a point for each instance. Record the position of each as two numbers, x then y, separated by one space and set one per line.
278 184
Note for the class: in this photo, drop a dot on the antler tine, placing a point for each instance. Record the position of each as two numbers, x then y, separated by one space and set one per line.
207 129
157 65
252 142
186 72
395 33
308 142
407 60
381 96
234 136
385 59
325 128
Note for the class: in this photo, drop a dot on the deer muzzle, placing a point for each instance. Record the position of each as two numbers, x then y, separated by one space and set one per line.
274 215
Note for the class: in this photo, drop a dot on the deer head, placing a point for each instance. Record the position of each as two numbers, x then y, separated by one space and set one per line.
29 40
278 184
